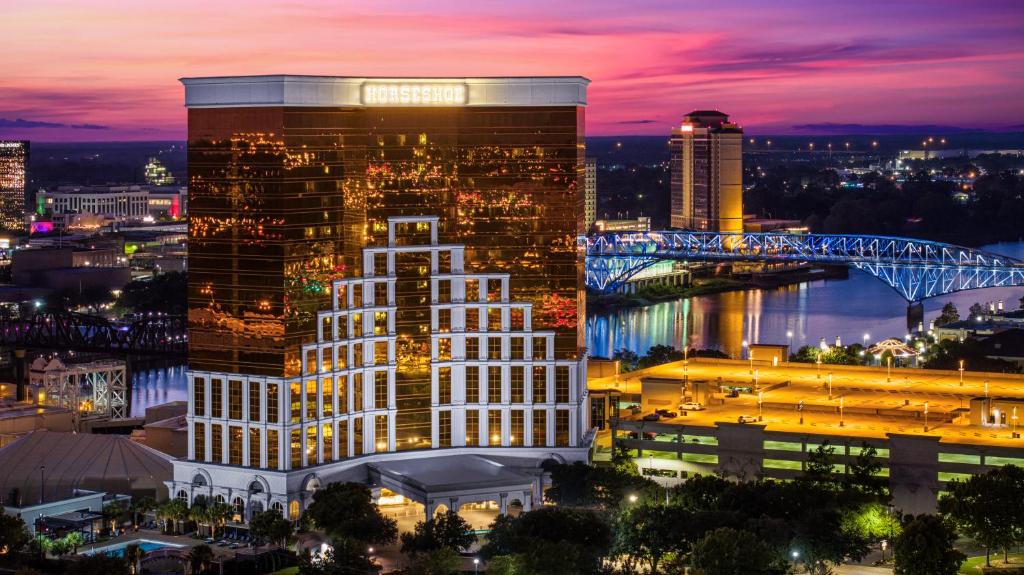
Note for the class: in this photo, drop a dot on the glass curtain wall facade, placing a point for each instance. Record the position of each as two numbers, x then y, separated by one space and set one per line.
13 182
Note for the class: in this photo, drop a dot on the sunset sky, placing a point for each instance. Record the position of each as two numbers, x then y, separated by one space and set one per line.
107 70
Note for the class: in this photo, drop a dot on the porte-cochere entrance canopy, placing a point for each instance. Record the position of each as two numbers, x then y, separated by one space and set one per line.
917 269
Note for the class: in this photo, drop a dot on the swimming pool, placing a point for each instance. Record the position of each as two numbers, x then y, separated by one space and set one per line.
146 545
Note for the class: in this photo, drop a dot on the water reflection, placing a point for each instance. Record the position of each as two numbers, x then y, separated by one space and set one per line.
810 311
156 385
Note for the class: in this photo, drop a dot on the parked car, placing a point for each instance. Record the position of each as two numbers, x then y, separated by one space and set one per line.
746 419
667 414
652 417
634 409
733 393
691 406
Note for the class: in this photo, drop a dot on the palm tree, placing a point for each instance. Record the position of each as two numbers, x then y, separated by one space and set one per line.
201 516
141 507
218 514
199 558
133 554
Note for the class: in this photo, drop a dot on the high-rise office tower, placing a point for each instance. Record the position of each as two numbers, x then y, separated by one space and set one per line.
381 271
13 182
590 185
707 173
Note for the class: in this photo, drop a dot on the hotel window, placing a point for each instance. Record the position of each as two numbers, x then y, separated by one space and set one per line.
444 320
472 319
327 390
295 391
516 319
311 360
444 429
444 291
342 297
342 394
540 384
254 401
444 262
561 384
540 348
199 396
494 384
472 290
518 348
493 290
199 441
273 449
234 445
517 384
494 427
380 323
517 428
216 443
357 326
380 353
444 385
342 439
472 348
380 289
540 427
380 389
254 447
494 319
342 356
311 458
327 363
494 348
472 384
357 392
472 427
325 329
328 432
295 444
444 349
357 296
380 432
561 427
234 399
342 330
272 403
310 399
357 355
357 436
217 397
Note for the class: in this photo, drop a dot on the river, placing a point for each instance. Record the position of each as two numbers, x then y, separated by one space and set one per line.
826 309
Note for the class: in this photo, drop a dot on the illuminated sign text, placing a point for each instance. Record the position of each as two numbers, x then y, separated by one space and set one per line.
414 94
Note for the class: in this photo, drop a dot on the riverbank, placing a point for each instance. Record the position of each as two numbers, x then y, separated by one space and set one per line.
659 293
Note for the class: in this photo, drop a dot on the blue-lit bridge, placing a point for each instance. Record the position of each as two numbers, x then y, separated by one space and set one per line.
916 269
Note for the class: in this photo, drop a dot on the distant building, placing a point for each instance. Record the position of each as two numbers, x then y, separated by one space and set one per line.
707 173
590 193
91 207
157 174
641 224
13 181
68 268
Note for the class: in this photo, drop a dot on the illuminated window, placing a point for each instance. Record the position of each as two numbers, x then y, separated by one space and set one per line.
493 319
444 429
216 443
540 384
472 348
296 448
295 391
234 445
311 457
516 319
327 364
444 385
494 384
342 329
357 326
540 348
357 355
357 392
342 297
325 328
472 384
254 447
380 323
540 427
517 384
272 404
342 356
561 427
472 290
357 298
517 427
199 441
444 262
444 349
561 384
311 399
328 433
342 439
199 396
273 449
380 432
293 511
472 427
380 389
444 320
357 436
444 291
493 290
472 319
380 353
216 397
493 427
234 399
327 390
518 348
380 289
254 401
494 348
311 361
342 394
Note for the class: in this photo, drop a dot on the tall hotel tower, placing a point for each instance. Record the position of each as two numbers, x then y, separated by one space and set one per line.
13 181
384 286
707 173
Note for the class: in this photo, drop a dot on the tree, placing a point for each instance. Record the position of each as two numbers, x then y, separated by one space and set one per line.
988 508
163 293
648 532
948 315
347 511
13 535
344 559
555 540
133 554
728 551
700 493
444 531
977 310
505 565
270 525
579 484
441 561
659 354
74 540
820 465
925 547
171 512
862 474
627 360
200 558
141 506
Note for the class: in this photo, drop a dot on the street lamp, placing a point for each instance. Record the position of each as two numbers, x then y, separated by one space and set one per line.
632 498
961 373
760 406
476 565
866 337
750 356
818 361
830 385
789 338
757 376
841 424
888 369
926 417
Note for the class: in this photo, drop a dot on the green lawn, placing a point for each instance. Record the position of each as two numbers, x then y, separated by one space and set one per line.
972 565
287 571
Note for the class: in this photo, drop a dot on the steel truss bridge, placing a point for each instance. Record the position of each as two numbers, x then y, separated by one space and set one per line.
152 335
916 269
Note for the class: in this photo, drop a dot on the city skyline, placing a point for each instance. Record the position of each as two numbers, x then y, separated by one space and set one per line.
110 73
